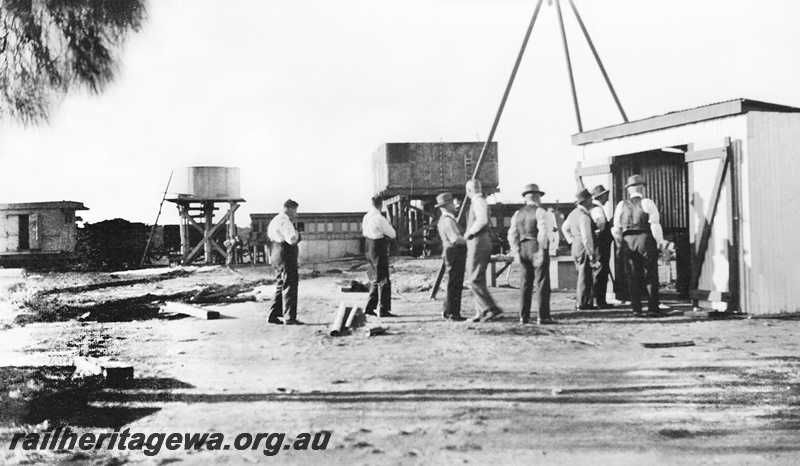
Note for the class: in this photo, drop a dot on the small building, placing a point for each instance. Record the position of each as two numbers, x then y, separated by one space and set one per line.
325 236
38 233
723 176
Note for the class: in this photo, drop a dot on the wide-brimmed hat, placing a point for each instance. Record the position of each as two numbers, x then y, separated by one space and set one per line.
443 199
635 180
532 188
583 196
598 191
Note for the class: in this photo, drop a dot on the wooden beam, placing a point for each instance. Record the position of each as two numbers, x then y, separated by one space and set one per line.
716 153
596 170
193 311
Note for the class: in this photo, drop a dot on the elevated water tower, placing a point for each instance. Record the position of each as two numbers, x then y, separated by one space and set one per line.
197 191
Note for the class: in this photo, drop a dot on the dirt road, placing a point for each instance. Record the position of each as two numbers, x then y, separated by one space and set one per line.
428 391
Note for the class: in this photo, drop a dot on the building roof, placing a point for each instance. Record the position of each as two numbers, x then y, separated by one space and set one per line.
679 118
72 205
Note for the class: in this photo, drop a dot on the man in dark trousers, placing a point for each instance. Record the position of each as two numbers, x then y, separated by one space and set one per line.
604 237
454 254
638 236
528 237
283 254
378 232
578 229
479 252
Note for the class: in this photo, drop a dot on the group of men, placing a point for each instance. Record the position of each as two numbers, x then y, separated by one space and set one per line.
635 229
589 228
638 236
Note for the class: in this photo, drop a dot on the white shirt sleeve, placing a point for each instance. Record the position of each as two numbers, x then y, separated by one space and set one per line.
386 227
288 231
565 227
615 229
513 235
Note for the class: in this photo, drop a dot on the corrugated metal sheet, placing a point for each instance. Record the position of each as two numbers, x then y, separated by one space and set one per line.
665 174
772 267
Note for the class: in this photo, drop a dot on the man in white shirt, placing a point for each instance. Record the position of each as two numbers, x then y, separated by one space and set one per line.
479 252
604 237
283 254
638 236
378 232
529 237
454 254
578 229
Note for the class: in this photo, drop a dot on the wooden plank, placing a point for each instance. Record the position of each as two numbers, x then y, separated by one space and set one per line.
716 153
194 311
672 344
596 170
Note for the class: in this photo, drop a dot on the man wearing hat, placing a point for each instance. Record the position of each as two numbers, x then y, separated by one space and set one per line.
604 237
283 254
378 232
454 254
479 251
528 236
579 229
638 236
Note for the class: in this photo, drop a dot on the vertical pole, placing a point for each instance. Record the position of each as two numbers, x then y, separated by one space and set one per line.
231 232
494 128
155 224
569 66
208 210
734 281
184 231
599 63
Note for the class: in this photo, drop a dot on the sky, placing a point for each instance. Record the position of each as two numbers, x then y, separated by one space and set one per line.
300 93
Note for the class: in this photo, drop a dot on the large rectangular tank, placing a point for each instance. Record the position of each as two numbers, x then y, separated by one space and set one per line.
207 183
430 168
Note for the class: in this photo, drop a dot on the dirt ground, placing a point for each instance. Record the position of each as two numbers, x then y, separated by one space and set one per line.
429 391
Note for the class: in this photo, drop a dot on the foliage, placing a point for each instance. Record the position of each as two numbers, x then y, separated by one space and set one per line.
49 47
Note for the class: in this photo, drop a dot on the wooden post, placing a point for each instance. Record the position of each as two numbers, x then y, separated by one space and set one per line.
569 67
208 211
184 232
599 63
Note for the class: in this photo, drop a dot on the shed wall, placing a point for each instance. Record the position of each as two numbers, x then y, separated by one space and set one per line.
773 270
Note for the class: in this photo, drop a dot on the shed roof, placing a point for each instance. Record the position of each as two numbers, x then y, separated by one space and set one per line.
678 118
72 205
